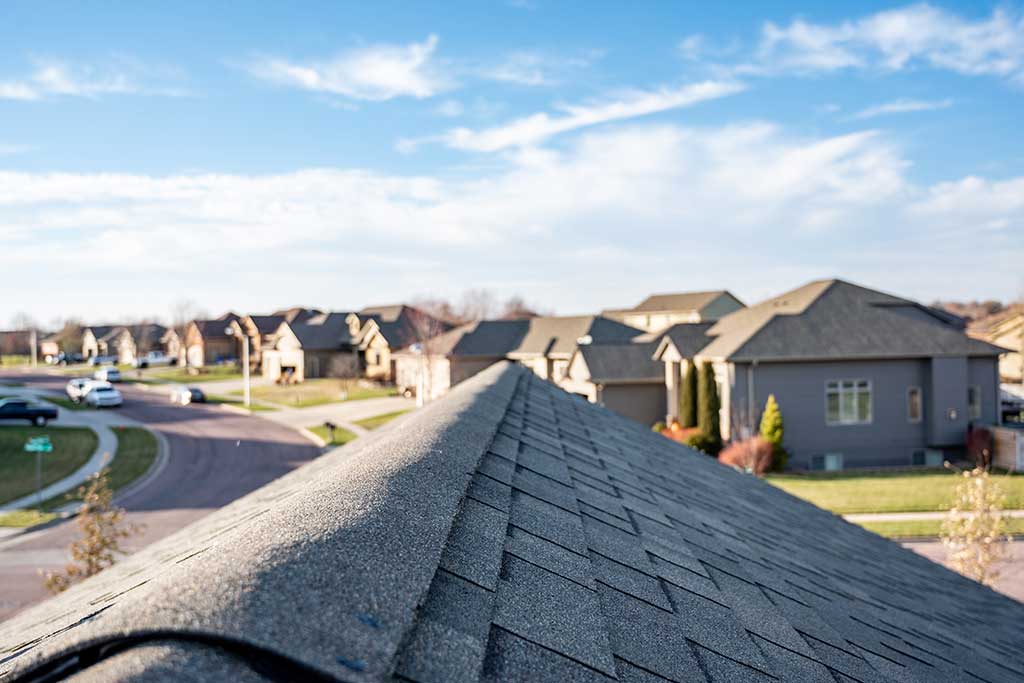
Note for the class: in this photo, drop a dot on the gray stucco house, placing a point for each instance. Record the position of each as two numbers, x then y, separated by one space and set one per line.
863 378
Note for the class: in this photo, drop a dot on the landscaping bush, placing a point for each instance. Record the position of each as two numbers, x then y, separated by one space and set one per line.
753 455
688 400
707 412
771 431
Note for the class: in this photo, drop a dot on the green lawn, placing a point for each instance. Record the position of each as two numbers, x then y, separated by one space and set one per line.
237 402
136 452
901 491
379 420
176 375
925 528
72 448
341 436
65 402
315 392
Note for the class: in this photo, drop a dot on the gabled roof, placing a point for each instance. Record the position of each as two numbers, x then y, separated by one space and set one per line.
622 363
267 324
680 301
512 532
834 319
480 339
324 332
558 336
400 325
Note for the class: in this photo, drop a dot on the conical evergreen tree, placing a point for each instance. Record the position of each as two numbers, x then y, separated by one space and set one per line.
772 430
688 400
707 410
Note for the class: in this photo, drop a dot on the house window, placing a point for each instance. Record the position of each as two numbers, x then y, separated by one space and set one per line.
974 403
848 402
914 407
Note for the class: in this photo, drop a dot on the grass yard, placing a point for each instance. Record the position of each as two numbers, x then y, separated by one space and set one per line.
900 491
316 392
72 448
379 420
65 402
176 375
341 436
927 528
136 452
237 402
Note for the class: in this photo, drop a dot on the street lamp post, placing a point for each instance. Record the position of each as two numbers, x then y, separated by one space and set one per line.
230 331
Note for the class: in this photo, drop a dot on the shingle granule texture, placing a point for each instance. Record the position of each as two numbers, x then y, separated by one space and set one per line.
512 532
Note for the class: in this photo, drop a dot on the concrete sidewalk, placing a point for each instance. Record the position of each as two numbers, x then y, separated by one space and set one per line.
101 422
912 516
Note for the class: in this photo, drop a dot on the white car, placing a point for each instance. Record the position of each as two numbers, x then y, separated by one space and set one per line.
153 359
103 395
78 387
107 375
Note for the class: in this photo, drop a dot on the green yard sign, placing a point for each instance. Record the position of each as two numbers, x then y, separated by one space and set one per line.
39 445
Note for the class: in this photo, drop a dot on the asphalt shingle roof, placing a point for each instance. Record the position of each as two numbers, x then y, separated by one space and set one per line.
513 532
837 319
682 301
558 336
609 363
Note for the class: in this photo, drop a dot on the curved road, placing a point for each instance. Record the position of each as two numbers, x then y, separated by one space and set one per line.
215 456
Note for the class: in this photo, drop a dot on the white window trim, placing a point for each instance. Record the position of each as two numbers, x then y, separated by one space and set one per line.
855 423
920 407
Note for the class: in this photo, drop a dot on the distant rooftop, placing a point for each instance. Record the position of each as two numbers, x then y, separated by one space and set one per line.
513 532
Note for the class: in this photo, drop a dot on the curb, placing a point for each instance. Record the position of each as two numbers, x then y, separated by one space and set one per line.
163 450
312 437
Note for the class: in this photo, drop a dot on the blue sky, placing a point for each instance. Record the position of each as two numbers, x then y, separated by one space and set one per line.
580 155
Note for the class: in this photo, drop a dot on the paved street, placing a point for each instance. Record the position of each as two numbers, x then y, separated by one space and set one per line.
1011 579
215 456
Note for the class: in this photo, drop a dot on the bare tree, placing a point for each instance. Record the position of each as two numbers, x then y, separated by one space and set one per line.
102 528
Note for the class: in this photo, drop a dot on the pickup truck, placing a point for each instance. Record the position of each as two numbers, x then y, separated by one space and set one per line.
20 409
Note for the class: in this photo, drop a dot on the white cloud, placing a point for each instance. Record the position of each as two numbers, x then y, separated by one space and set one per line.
719 206
450 108
52 78
896 39
536 128
376 72
902 106
535 68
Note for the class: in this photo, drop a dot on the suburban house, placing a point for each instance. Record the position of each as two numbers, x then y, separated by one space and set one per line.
550 341
378 330
863 378
208 341
1005 329
432 367
320 346
512 532
544 344
624 377
659 311
108 340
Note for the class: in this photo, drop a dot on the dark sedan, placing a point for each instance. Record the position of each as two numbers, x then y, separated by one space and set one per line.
20 409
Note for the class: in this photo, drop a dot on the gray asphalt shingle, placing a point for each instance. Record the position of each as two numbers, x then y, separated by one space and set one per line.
513 532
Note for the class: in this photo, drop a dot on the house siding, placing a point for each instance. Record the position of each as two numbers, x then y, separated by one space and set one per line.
890 438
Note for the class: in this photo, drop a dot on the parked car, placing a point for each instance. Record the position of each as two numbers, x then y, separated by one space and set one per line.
77 388
107 375
103 395
103 360
154 359
21 409
185 395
